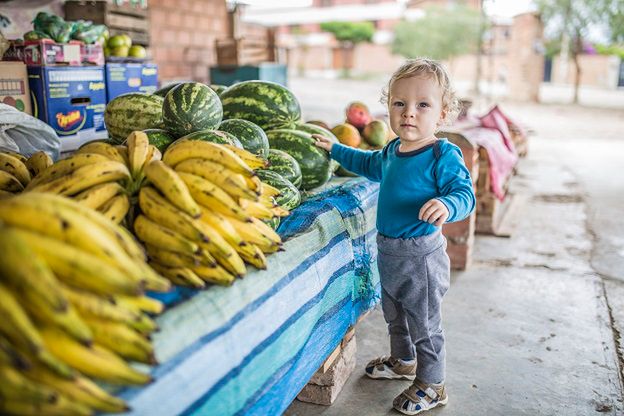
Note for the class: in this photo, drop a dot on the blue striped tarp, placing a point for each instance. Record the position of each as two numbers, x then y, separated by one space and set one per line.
250 348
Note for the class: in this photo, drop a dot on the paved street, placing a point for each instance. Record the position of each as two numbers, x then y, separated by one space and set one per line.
533 326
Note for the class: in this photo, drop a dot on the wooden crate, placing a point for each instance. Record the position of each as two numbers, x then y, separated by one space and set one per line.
245 50
124 18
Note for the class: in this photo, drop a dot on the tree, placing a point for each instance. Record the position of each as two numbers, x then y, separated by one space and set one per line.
349 34
443 33
613 10
568 21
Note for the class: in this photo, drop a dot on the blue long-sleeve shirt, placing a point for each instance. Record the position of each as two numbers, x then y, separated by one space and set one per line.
408 180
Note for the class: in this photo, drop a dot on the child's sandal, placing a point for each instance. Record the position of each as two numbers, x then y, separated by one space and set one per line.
420 397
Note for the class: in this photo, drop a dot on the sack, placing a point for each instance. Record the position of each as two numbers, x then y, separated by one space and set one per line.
25 134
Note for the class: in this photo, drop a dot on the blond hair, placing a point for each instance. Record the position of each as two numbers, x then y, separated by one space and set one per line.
431 68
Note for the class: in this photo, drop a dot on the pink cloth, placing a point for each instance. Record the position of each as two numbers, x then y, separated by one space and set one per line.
502 160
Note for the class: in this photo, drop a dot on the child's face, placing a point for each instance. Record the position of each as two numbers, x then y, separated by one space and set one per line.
415 107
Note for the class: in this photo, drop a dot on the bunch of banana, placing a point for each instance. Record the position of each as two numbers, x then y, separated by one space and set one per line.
16 171
99 175
201 211
72 307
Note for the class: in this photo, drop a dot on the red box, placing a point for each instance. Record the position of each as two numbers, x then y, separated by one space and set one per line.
47 52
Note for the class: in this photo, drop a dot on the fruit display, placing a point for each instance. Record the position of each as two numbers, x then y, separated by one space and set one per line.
71 296
121 46
376 133
347 134
267 104
51 26
214 136
289 196
358 115
17 171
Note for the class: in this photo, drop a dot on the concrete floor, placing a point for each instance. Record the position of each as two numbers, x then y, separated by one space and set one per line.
531 325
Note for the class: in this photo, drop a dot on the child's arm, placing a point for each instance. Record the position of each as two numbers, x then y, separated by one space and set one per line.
361 162
455 190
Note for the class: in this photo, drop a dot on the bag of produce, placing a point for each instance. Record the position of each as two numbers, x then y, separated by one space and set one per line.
25 134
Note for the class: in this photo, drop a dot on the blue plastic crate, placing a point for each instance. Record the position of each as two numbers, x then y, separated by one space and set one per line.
268 71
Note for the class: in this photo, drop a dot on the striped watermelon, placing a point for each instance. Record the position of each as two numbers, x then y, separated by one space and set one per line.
316 129
253 138
273 222
313 161
286 165
132 111
268 104
164 90
218 88
191 106
159 138
214 136
289 197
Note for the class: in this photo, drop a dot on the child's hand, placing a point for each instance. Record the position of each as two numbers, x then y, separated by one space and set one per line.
434 212
323 142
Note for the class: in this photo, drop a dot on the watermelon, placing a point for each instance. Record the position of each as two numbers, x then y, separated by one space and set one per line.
286 165
191 106
214 136
159 138
289 197
132 111
164 90
313 161
252 137
268 104
218 88
316 129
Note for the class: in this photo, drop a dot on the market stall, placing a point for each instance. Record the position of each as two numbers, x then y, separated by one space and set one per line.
250 348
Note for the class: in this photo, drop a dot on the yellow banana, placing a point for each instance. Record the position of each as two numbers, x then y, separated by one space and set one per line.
267 201
216 275
154 154
123 151
122 340
268 190
10 183
104 149
19 329
94 361
169 183
256 209
64 167
211 196
280 212
6 194
68 221
16 387
140 304
188 149
232 183
38 162
250 233
96 196
253 161
155 234
224 228
173 259
21 157
80 390
78 268
61 406
266 231
12 357
256 258
138 147
85 177
116 208
15 167
180 276
92 305
255 184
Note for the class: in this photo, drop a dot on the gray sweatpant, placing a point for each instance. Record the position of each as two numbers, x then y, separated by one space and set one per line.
415 275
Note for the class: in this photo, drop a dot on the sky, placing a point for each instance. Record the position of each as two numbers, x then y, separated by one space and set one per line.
506 8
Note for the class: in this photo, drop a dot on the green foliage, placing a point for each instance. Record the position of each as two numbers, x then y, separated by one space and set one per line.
613 13
617 50
568 17
355 32
444 32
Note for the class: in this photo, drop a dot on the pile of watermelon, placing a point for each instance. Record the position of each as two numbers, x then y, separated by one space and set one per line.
259 116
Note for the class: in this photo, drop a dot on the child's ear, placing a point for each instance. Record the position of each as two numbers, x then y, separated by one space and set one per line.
442 117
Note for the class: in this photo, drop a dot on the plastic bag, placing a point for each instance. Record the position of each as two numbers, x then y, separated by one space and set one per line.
90 34
56 27
35 35
25 134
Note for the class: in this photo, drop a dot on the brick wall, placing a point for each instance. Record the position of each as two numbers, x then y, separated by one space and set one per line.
182 36
596 70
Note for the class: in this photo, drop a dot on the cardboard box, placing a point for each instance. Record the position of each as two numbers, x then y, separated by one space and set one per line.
71 100
122 78
92 54
14 89
48 52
